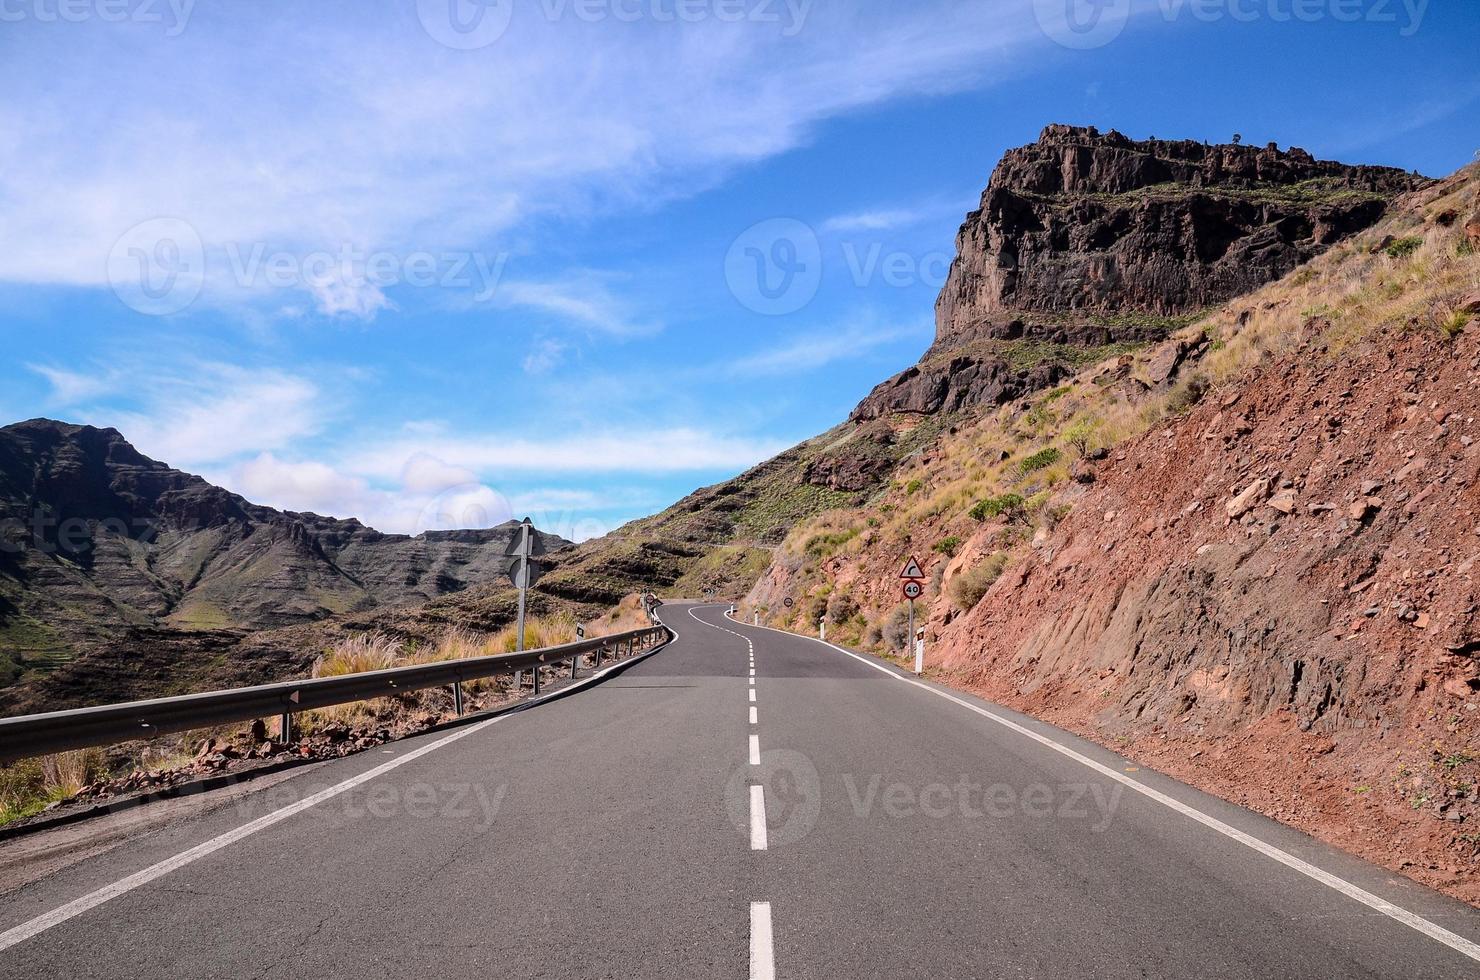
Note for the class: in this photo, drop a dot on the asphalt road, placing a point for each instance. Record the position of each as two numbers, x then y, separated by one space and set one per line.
824 818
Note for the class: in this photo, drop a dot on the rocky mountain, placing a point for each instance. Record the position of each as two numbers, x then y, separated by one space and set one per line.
1245 554
99 543
1088 242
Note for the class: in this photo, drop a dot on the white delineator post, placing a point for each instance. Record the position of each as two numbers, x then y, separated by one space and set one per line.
920 652
822 628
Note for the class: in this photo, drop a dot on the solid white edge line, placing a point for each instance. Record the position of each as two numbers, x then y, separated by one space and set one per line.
1358 894
762 943
76 907
72 909
755 750
757 818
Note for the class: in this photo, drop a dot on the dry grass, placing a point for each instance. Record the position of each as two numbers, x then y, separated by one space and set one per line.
29 786
359 655
379 651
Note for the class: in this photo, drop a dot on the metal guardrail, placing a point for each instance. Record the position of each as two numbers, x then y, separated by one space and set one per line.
27 736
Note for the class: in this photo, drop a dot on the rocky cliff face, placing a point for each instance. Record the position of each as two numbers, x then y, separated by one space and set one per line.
1085 240
1246 555
98 541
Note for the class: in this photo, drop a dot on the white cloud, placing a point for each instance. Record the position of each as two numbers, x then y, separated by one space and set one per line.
309 127
545 356
414 505
585 302
816 350
71 387
218 412
655 451
882 220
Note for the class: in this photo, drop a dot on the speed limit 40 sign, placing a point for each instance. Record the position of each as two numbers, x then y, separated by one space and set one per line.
913 590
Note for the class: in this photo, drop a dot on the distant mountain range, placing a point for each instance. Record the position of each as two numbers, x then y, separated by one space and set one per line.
99 542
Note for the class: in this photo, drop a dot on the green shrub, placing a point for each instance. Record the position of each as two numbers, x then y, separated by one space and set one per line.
913 487
1187 394
1041 459
1455 322
968 588
1010 504
1404 247
948 546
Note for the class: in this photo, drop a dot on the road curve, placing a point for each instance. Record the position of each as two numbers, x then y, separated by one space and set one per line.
743 803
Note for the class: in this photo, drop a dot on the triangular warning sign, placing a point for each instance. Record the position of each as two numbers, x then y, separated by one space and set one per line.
912 570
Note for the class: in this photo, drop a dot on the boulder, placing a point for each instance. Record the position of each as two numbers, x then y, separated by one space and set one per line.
1165 361
1252 496
1284 501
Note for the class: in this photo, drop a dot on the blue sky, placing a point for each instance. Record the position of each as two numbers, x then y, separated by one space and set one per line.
434 278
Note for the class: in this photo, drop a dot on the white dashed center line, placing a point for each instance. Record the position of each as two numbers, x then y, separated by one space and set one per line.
762 945
757 818
755 750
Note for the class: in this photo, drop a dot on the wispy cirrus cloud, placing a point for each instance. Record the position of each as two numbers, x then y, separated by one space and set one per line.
880 220
321 126
823 347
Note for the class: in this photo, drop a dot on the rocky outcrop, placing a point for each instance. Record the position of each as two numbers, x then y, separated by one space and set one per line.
1085 240
954 384
1086 223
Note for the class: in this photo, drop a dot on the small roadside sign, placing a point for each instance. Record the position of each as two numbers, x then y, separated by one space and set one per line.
912 570
913 589
580 631
789 602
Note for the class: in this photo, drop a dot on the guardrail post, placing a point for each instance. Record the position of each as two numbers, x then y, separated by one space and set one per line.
285 728
599 651
575 666
457 698
536 673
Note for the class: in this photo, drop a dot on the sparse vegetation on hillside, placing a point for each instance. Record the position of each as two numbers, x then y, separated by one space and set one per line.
973 492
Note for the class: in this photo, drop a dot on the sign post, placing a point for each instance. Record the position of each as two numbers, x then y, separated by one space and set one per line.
912 576
522 573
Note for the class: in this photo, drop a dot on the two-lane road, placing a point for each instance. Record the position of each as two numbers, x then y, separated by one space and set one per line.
743 803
